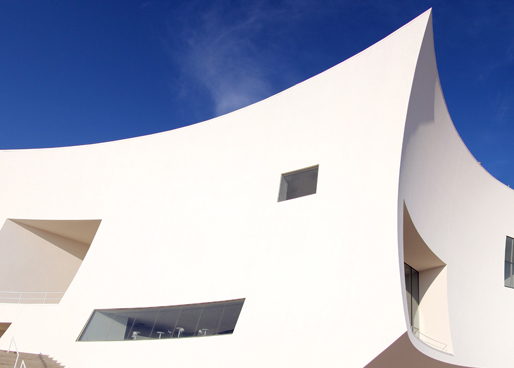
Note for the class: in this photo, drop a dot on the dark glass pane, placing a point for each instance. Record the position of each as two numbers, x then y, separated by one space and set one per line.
98 326
298 184
508 249
188 321
415 297
210 320
131 315
166 322
121 325
230 315
143 325
509 279
282 195
408 289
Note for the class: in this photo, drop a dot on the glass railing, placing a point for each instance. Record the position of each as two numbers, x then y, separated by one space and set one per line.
429 341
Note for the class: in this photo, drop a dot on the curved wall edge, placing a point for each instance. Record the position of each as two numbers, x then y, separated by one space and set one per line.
200 214
463 215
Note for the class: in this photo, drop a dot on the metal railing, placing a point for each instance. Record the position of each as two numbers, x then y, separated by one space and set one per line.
17 354
428 340
31 297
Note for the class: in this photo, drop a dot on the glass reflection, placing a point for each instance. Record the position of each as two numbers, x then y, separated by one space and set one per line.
210 320
165 323
509 261
194 320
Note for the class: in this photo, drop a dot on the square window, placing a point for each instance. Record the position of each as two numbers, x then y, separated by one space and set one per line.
298 183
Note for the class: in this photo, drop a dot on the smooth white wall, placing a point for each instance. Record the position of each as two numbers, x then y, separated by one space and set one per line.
192 216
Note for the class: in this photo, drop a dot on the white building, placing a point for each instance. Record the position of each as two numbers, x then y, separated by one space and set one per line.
210 213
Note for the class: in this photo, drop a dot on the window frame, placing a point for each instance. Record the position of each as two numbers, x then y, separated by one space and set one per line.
100 324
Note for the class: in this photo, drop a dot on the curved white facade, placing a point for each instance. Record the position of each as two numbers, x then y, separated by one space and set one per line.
191 216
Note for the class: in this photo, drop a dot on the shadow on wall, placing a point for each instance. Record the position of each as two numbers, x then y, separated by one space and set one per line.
421 109
402 354
52 250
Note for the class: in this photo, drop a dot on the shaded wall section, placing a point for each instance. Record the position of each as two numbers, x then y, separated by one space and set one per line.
41 256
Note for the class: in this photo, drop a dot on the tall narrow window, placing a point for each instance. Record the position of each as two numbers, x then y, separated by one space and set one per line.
298 183
412 288
509 262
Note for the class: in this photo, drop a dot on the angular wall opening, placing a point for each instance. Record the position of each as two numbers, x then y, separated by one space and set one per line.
3 327
430 321
40 258
298 183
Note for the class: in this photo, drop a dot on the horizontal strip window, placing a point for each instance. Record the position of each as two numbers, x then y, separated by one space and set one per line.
193 320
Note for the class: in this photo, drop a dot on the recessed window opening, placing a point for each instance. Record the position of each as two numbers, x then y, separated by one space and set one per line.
298 183
193 320
509 262
426 289
412 289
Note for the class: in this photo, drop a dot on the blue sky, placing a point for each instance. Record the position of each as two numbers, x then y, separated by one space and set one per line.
80 72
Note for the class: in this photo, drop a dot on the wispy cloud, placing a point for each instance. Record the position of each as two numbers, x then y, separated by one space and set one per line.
503 107
228 47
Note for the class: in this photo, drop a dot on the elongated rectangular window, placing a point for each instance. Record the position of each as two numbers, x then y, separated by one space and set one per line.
509 262
412 288
193 320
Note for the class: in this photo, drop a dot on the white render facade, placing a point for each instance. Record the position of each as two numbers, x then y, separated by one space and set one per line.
192 216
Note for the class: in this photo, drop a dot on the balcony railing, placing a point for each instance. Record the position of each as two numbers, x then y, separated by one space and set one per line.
31 297
22 365
429 341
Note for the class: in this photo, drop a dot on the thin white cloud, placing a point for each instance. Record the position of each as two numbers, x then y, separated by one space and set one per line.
220 45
